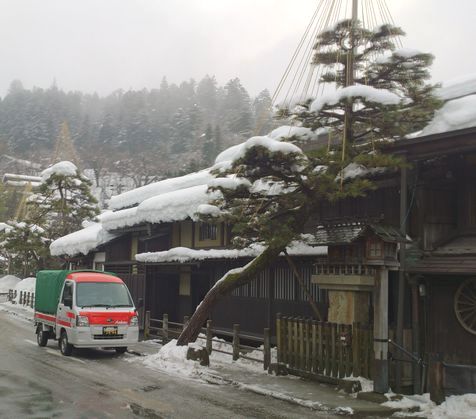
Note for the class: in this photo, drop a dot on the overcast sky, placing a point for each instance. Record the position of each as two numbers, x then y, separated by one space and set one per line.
102 45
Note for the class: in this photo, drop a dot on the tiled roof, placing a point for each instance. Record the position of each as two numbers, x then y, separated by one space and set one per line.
346 233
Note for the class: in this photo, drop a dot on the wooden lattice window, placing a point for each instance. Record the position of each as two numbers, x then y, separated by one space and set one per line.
207 231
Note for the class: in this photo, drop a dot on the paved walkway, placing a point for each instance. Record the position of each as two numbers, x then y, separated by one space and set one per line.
290 388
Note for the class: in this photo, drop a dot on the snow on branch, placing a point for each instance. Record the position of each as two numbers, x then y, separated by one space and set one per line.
368 93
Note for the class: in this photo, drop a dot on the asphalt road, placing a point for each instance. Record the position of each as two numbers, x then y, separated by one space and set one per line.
41 383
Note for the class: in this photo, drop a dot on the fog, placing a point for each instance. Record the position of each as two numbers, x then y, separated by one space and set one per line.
103 45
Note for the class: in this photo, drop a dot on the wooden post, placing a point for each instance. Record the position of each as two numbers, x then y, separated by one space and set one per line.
27 299
356 357
436 379
279 343
32 302
417 381
236 342
335 365
147 325
290 348
295 363
302 360
401 275
209 344
320 354
165 328
266 349
314 362
381 332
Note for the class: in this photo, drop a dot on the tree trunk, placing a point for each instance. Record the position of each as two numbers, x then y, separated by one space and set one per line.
231 280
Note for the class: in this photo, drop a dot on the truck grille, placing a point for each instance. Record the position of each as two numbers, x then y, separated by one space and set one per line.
107 337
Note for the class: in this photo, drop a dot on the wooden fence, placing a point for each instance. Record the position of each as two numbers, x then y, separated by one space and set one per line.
167 330
323 348
25 298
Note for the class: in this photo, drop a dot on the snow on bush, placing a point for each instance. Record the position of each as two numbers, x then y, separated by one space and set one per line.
8 282
63 168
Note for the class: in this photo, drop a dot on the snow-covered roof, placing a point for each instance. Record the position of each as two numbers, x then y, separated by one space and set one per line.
458 87
184 254
171 206
82 241
136 196
454 115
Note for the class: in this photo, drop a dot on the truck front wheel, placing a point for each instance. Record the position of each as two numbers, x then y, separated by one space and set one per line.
65 347
41 336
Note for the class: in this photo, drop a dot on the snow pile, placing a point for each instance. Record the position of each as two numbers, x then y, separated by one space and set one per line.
458 87
173 359
185 254
82 241
231 182
8 282
25 285
136 196
5 227
454 407
368 93
63 168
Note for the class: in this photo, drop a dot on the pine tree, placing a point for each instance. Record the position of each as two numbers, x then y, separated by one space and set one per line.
278 187
63 201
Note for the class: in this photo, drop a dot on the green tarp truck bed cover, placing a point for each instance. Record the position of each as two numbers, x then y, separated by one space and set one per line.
47 290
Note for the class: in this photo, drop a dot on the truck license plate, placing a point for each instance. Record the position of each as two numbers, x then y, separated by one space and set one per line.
109 330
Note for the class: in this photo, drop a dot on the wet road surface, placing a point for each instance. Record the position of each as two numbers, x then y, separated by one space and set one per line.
41 383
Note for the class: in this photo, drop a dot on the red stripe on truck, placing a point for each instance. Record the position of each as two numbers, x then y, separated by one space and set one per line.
70 315
63 323
107 317
45 317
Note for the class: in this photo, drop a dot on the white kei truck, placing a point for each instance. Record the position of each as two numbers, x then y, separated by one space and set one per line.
84 309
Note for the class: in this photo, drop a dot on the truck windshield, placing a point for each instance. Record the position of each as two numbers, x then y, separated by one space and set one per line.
102 294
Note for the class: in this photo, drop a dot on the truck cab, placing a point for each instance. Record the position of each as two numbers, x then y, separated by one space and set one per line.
93 310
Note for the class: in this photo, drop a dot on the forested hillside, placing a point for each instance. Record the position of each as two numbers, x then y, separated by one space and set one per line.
165 131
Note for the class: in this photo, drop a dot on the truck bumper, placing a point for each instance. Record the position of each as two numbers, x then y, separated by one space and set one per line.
91 337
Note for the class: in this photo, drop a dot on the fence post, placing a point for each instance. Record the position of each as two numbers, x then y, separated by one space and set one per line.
32 301
209 344
22 294
10 295
236 342
147 325
278 337
27 298
266 349
185 321
165 328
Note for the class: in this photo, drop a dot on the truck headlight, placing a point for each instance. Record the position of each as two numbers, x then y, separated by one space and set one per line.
134 321
82 321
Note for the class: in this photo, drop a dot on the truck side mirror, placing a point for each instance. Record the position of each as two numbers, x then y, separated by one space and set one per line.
140 303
